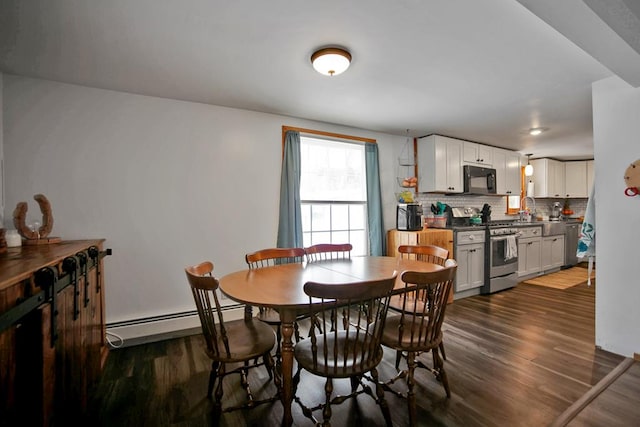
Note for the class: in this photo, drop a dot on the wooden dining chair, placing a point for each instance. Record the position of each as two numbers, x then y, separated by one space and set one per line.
245 341
266 258
327 251
350 351
417 328
427 253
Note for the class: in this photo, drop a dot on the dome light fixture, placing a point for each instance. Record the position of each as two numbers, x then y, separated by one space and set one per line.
536 131
528 170
331 61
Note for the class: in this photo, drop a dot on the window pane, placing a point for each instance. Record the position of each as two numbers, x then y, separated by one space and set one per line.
358 216
514 202
340 217
332 170
340 237
306 239
359 242
320 217
323 237
306 217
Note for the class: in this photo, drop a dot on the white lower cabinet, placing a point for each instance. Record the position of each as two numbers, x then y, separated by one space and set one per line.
529 251
529 256
469 253
552 252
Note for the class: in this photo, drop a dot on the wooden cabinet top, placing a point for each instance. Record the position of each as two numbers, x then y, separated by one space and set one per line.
17 264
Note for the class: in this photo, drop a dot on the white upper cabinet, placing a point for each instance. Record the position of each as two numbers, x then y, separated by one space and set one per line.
507 166
548 178
575 184
439 164
477 154
590 176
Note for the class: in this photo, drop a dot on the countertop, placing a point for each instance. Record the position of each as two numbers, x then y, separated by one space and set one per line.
513 223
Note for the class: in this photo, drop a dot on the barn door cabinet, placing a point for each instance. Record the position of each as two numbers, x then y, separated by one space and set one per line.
52 331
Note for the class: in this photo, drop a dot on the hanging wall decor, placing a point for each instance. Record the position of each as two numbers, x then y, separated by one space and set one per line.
632 179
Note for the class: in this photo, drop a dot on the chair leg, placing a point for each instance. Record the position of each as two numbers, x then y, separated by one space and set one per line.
411 396
268 363
355 382
398 357
326 411
212 378
278 339
219 391
441 374
444 356
277 379
296 331
384 406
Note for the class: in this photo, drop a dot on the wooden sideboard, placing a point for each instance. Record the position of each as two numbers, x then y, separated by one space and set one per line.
52 330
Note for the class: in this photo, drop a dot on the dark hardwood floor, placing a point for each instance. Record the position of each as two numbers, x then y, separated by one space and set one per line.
516 358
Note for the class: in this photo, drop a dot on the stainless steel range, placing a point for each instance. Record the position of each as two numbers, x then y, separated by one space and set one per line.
501 268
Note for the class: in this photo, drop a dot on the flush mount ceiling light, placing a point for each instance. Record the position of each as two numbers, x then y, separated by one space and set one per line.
331 61
536 131
528 170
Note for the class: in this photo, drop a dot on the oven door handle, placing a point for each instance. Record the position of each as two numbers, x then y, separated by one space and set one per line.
503 237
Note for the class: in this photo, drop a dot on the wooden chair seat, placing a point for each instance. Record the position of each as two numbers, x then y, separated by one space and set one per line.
268 315
396 302
406 341
247 339
340 366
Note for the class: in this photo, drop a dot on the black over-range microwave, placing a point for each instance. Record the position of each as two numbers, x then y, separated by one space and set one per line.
479 180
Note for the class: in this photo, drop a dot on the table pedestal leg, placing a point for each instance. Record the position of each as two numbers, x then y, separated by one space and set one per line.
287 319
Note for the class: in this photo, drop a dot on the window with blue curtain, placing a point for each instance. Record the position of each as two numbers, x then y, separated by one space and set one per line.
330 192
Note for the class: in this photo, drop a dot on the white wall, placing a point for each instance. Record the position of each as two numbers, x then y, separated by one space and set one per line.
167 183
616 127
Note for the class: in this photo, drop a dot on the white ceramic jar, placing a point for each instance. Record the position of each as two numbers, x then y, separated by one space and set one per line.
13 239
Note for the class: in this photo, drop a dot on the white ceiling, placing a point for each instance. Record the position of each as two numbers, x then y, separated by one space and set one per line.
485 71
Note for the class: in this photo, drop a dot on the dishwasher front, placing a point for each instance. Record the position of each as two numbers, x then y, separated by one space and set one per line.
572 231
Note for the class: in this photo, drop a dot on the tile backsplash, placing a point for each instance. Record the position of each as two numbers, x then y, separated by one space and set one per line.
498 204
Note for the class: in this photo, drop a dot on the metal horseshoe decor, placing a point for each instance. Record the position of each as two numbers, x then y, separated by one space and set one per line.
33 235
632 179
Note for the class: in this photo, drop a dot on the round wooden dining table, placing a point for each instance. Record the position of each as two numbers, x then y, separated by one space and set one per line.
281 287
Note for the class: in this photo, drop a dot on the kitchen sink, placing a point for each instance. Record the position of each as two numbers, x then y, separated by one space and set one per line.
553 228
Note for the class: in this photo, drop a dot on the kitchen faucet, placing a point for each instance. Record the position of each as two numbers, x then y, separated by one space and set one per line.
522 211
